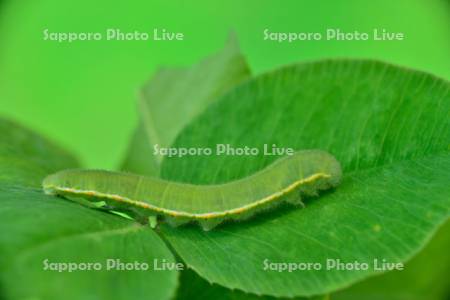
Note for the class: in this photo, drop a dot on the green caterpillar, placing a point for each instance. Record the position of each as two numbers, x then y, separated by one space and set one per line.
287 179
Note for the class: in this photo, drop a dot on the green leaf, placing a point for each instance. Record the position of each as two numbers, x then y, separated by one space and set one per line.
388 126
25 157
37 227
425 277
174 97
193 286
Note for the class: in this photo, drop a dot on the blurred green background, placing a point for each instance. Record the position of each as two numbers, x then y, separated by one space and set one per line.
84 94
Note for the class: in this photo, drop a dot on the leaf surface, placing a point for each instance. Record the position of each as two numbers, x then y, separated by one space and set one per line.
193 286
390 129
39 230
174 97
425 276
